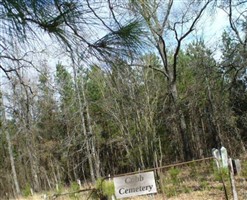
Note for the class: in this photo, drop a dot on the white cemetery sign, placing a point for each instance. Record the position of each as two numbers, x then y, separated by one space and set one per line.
133 185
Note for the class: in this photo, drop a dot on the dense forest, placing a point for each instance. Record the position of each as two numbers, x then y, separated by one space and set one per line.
136 86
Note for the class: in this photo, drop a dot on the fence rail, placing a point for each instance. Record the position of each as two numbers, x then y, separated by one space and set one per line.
197 179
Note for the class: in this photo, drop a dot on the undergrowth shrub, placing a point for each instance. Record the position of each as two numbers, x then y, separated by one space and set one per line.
174 172
104 189
74 187
59 188
26 192
244 168
170 184
221 174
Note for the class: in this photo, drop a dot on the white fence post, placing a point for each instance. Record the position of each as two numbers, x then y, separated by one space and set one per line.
234 191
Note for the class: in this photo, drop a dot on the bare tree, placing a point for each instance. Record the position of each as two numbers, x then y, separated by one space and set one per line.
10 149
170 24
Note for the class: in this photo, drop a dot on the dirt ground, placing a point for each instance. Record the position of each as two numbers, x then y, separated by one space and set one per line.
213 192
196 195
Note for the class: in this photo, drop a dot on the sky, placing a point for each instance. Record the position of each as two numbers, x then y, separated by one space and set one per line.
210 28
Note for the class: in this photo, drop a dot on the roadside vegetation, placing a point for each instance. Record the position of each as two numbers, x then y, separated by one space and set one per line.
199 181
90 89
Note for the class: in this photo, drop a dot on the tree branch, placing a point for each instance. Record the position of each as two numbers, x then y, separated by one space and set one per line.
113 14
6 71
167 14
233 27
97 16
179 40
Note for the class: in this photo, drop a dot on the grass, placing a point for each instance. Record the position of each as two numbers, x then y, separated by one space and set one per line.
192 182
213 192
197 195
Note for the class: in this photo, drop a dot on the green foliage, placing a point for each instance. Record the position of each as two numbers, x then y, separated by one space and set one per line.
26 192
193 169
170 184
131 112
221 174
204 185
174 173
65 83
105 187
244 168
131 34
59 188
47 15
95 86
170 190
125 39
74 187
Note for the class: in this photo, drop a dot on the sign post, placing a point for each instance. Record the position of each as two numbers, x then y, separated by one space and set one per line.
133 185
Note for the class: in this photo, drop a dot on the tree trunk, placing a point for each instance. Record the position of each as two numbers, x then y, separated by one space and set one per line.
10 150
182 127
95 155
12 162
170 73
30 141
216 135
33 166
83 124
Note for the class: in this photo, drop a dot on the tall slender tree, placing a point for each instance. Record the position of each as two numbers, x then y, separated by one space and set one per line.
5 131
162 27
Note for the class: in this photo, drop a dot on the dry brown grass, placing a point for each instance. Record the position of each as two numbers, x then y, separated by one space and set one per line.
189 178
212 193
197 195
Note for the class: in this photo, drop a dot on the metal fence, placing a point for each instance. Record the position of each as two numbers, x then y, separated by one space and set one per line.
197 179
193 180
